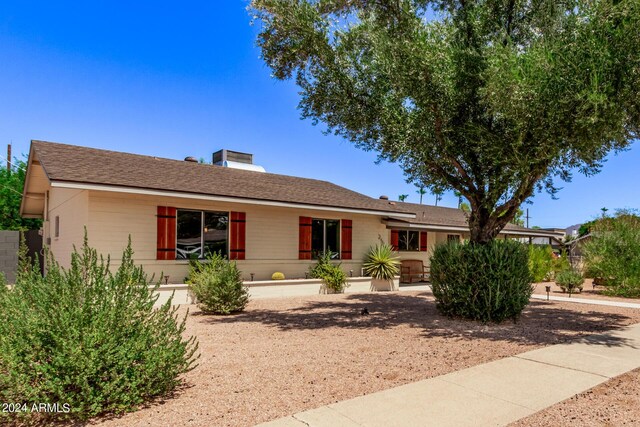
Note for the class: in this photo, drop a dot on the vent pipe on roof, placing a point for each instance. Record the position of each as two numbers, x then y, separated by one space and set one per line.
191 159
383 197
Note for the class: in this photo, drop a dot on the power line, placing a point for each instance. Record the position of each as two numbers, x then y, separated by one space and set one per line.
13 164
16 191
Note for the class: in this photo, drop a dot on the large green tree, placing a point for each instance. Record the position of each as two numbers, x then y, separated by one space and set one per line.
11 185
494 99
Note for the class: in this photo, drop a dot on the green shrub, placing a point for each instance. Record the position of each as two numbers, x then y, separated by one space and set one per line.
559 264
381 262
217 285
277 276
540 262
569 281
490 282
331 274
612 254
88 338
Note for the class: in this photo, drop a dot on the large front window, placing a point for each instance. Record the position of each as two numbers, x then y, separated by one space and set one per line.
200 233
325 237
408 240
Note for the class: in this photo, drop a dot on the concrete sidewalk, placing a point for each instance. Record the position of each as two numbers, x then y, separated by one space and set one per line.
492 394
578 300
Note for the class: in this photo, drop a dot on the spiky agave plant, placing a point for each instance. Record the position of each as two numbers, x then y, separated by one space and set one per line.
381 262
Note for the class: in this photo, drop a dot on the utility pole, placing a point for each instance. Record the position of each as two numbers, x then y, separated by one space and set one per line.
8 157
527 217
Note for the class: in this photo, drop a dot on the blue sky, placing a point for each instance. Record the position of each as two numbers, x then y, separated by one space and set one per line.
173 80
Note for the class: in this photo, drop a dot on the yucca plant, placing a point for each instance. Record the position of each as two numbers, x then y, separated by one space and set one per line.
381 262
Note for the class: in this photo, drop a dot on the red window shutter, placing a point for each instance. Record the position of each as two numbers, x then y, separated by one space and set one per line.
423 241
237 234
166 244
304 247
395 235
346 238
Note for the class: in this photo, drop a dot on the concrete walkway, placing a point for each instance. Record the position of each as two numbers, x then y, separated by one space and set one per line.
593 301
492 394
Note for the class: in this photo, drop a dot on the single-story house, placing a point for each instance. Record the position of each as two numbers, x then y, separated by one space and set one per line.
177 209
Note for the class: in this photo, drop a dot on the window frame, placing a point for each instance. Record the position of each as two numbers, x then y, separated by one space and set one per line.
454 238
202 231
315 255
407 240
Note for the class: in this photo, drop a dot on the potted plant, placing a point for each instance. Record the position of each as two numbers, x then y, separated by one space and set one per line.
334 279
381 264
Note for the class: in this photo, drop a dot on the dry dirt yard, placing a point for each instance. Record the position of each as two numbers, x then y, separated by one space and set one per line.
282 356
611 404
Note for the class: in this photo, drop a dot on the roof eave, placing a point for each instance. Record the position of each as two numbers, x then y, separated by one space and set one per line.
459 228
199 196
25 193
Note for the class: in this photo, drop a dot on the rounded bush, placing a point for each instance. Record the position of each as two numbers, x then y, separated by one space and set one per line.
569 281
332 275
217 285
489 283
277 276
541 262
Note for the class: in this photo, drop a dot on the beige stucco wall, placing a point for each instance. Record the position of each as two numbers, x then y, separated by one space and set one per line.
433 238
421 255
72 207
271 243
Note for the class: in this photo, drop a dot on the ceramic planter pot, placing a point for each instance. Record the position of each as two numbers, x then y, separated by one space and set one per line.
384 284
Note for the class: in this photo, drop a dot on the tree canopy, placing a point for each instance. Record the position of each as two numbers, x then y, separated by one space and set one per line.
494 99
11 185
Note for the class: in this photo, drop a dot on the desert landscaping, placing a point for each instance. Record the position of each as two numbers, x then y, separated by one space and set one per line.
281 356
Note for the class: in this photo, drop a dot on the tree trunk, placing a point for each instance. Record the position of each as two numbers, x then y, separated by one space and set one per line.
483 227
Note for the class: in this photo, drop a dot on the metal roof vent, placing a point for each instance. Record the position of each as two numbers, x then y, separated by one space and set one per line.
191 159
383 197
235 160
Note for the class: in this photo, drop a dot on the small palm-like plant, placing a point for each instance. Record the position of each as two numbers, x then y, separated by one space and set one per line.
381 262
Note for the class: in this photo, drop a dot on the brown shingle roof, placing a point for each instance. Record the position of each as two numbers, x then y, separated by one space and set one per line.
70 163
443 216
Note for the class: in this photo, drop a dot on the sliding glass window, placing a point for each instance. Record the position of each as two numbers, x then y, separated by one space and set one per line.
201 232
325 237
408 240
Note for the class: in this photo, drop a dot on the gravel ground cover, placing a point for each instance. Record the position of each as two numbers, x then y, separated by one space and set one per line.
614 403
282 356
588 291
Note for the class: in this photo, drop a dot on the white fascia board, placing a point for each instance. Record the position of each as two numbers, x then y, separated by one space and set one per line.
163 193
529 233
426 226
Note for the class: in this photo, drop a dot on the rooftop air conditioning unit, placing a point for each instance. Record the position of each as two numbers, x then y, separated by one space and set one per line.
235 160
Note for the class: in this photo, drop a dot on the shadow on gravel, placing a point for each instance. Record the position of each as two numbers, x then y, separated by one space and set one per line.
541 323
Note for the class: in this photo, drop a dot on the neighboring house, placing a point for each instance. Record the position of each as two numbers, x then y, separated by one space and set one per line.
175 209
573 230
555 239
576 246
